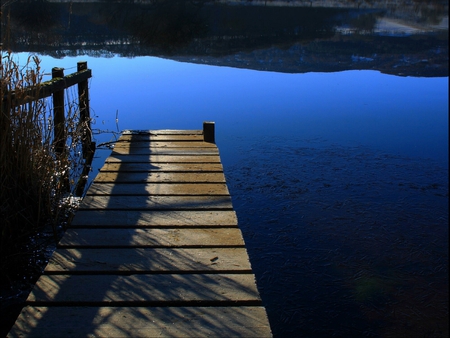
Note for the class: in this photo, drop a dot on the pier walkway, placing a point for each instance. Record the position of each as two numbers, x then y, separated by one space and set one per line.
154 251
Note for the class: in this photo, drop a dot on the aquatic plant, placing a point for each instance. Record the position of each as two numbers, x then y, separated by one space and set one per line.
36 182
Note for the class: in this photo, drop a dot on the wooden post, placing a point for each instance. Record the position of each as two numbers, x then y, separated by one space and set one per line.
59 122
89 155
85 118
85 123
58 113
208 132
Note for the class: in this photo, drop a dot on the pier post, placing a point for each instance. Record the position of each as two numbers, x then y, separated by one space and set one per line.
85 123
58 113
85 118
209 132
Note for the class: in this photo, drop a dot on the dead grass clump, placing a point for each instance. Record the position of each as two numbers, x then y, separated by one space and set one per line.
34 179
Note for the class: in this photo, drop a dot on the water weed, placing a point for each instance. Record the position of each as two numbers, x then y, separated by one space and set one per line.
37 183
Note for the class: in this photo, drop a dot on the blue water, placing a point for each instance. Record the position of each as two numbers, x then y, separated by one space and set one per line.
400 115
339 180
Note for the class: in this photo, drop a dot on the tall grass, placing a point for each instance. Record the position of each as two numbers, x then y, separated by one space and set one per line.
36 183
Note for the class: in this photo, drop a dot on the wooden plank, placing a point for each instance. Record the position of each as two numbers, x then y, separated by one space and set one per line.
173 189
165 144
150 167
142 289
156 238
159 177
148 260
163 132
160 137
142 322
165 151
154 159
179 218
156 202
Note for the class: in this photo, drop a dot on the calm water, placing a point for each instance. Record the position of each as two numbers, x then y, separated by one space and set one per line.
401 115
339 180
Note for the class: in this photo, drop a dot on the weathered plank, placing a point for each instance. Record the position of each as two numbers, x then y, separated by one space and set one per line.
165 151
142 289
154 159
172 189
138 202
168 167
163 132
164 144
160 137
157 238
149 260
163 177
135 219
142 322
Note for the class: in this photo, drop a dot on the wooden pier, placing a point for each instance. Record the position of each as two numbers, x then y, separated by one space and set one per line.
154 250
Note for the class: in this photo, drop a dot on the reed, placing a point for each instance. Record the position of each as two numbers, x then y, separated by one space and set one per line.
36 183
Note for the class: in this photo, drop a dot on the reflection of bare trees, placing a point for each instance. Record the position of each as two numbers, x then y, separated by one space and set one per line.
29 22
431 16
176 27
161 25
38 15
365 23
169 25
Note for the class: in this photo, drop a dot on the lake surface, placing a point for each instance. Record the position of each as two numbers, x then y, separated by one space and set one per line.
339 178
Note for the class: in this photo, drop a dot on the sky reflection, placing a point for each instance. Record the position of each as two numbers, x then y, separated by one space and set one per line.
329 178
402 115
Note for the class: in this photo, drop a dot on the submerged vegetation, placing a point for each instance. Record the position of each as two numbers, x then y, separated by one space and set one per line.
37 182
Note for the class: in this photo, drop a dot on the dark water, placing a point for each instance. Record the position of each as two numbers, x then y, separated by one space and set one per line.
338 170
345 241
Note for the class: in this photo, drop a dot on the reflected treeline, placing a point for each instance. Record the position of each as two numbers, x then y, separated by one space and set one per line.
164 27
277 38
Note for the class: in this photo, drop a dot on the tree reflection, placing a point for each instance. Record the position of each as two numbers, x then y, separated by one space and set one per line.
35 15
365 23
193 29
165 26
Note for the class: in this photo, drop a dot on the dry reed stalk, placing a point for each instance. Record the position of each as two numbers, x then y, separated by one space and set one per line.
34 180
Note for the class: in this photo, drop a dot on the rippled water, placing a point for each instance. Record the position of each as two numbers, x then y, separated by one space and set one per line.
339 180
340 183
345 241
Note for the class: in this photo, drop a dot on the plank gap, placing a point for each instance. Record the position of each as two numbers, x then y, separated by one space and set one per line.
189 303
165 227
155 246
148 272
